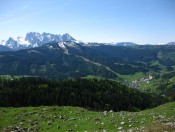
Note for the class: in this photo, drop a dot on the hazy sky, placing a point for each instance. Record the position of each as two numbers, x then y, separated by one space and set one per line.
140 21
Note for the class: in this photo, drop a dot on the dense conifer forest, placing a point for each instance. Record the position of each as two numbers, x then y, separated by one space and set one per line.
94 94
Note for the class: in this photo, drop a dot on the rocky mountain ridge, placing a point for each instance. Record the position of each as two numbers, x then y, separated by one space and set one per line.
34 39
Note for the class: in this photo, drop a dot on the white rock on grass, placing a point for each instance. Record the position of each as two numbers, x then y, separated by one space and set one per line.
105 113
21 123
122 123
120 128
49 123
130 125
111 111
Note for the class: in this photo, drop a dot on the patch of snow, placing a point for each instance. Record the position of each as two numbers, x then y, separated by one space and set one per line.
34 51
3 42
22 41
61 45
72 44
35 45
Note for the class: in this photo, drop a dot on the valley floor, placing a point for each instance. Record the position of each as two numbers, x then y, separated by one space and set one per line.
66 118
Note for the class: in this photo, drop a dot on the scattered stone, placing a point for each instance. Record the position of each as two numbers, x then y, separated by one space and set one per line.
54 116
10 127
164 120
49 123
130 130
142 128
120 128
58 126
44 109
33 112
105 113
21 123
122 123
112 115
130 120
70 130
142 122
61 117
111 111
35 122
170 124
130 125
25 129
42 116
104 130
15 129
25 115
30 129
70 119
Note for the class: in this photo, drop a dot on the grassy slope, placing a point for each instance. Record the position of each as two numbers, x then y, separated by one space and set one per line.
133 77
55 118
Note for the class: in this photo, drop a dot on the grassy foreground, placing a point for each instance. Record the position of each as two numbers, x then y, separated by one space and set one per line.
56 118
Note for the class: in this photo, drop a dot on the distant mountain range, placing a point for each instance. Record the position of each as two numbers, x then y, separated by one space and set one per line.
34 39
77 59
171 43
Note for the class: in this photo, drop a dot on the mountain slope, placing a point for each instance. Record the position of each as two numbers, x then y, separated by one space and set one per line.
51 60
71 59
4 48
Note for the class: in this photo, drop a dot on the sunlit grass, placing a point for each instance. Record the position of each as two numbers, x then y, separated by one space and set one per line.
67 118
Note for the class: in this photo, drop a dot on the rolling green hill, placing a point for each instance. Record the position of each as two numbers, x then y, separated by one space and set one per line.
55 118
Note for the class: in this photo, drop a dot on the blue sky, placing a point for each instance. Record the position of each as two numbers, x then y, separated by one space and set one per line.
140 21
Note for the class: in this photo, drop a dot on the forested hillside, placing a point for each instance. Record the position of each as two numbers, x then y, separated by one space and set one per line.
167 85
93 94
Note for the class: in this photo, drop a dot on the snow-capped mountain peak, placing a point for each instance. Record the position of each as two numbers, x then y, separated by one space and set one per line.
11 43
67 37
34 39
22 41
3 42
